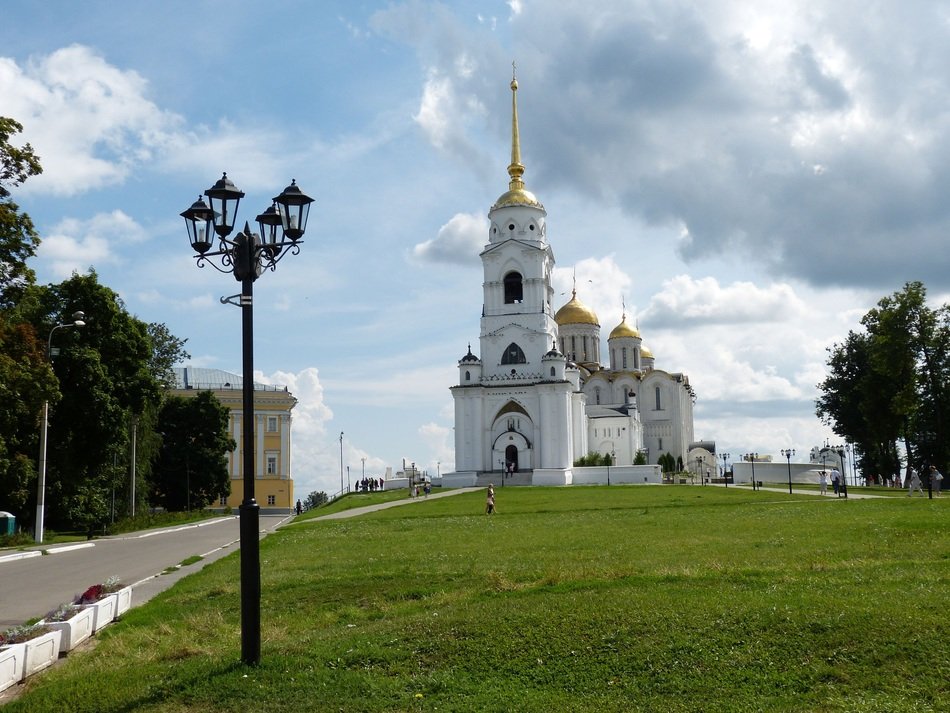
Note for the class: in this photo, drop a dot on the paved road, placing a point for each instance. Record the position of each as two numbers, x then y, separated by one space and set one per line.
33 584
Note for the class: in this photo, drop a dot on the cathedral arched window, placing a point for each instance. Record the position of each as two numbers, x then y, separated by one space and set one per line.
624 352
468 376
659 407
513 355
552 372
597 396
514 290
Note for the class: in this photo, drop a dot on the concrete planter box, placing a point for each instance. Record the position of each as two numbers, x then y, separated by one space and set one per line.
75 630
123 601
11 665
41 652
104 611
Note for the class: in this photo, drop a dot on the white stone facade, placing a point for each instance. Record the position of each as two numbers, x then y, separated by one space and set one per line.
535 397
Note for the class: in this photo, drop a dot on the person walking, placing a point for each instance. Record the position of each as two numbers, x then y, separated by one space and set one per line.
835 477
490 502
913 481
936 480
823 482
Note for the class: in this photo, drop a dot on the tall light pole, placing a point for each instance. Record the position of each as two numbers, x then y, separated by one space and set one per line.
246 257
364 467
341 463
78 318
788 453
725 478
751 458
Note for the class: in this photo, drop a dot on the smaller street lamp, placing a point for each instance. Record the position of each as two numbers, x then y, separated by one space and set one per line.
725 477
842 476
751 458
788 453
78 321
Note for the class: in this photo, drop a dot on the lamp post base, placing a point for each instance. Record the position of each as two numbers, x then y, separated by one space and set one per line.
250 582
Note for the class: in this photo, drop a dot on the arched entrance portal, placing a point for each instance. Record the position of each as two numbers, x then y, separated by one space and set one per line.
511 458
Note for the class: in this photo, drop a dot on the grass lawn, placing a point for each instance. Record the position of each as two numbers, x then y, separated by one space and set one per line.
569 599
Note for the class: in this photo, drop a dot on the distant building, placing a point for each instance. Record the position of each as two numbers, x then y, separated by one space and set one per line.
274 484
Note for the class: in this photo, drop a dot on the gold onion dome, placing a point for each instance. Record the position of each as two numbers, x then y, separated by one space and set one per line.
645 353
624 330
575 312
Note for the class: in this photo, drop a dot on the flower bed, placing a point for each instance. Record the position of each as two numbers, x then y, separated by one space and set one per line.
24 650
11 664
76 624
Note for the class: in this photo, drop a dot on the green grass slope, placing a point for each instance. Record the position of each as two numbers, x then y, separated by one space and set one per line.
569 599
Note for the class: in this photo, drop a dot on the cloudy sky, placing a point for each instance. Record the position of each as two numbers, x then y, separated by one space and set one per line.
748 178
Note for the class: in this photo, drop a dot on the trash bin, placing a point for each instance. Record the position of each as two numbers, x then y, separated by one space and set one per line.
760 483
7 523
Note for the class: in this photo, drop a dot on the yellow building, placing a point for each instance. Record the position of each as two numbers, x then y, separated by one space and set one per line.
274 484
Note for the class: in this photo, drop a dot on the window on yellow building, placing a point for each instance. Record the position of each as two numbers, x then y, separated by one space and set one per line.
272 424
272 464
271 499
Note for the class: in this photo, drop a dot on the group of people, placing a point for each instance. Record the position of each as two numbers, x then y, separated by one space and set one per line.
423 489
369 485
913 481
835 481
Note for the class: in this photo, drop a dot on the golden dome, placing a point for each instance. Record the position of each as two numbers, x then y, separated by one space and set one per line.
575 312
517 196
645 353
624 330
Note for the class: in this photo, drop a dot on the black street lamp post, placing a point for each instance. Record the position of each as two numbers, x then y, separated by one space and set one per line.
246 257
788 453
725 476
751 458
38 532
843 474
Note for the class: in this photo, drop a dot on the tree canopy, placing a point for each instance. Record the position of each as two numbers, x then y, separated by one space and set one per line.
888 385
192 467
18 238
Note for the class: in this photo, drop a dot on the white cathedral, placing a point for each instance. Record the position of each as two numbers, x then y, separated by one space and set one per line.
536 398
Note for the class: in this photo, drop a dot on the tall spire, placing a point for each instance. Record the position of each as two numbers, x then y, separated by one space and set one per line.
516 195
516 168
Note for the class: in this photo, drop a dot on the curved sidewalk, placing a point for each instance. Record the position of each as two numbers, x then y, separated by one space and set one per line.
354 512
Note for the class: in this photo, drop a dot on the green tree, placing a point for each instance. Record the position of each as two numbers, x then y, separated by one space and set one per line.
890 383
18 238
167 350
106 371
315 500
25 382
640 458
192 467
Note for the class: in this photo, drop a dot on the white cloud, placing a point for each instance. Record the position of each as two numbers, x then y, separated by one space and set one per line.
75 245
459 241
440 441
315 457
685 300
89 122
